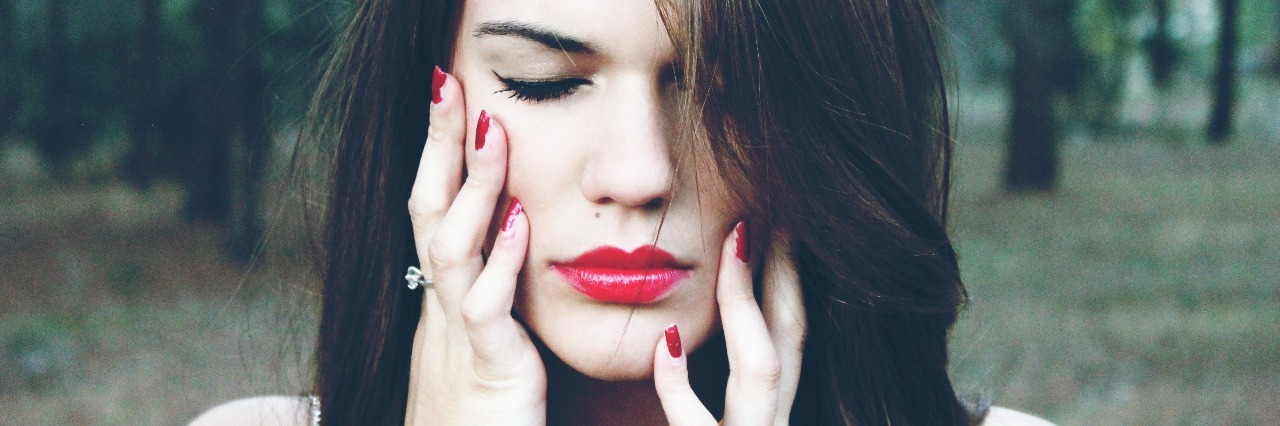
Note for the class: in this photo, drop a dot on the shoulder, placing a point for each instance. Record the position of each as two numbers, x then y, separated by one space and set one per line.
1000 416
275 410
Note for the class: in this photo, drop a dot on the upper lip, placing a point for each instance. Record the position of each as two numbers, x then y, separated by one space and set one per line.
642 258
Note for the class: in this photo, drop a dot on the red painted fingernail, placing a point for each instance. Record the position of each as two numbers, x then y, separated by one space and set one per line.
437 82
673 341
512 212
482 129
741 245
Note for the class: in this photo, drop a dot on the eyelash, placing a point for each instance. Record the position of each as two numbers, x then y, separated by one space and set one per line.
540 90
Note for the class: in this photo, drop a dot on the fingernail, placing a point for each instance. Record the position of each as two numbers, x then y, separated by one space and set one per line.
673 341
482 129
437 82
741 245
512 212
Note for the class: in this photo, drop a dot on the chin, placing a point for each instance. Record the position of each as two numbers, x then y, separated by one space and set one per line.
600 365
621 357
611 342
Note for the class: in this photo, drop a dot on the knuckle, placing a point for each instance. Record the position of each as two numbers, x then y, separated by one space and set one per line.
441 254
437 134
771 375
480 183
738 295
768 373
420 208
475 312
488 385
673 389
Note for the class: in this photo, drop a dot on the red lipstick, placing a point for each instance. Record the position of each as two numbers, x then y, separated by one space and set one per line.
612 275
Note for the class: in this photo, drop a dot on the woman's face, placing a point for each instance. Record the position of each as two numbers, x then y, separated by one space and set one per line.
585 93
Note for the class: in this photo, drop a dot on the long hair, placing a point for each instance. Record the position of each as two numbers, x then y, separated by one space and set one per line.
370 117
830 115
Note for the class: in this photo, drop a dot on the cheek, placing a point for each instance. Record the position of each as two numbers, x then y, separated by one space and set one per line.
544 154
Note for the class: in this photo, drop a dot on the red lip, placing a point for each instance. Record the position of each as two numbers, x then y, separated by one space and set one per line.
611 275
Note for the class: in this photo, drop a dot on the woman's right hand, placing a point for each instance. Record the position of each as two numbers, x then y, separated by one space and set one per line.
472 362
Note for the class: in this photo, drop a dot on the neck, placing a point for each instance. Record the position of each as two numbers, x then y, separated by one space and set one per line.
575 399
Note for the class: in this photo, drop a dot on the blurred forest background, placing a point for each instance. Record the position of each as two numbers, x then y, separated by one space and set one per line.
1116 206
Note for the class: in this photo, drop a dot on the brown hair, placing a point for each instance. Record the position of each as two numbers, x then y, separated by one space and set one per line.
834 115
831 114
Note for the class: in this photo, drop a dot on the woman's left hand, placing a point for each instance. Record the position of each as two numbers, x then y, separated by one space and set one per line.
765 343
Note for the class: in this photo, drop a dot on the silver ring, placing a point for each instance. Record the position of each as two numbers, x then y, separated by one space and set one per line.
415 279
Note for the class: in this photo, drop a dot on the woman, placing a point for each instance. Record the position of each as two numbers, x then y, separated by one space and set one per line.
635 213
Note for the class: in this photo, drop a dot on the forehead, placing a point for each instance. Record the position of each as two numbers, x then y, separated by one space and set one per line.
616 27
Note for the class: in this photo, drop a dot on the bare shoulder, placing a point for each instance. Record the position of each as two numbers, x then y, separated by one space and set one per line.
275 410
1000 416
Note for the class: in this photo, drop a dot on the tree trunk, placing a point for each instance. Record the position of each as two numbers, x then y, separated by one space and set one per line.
54 133
1160 46
140 162
8 68
1220 127
1032 161
209 158
252 138
226 171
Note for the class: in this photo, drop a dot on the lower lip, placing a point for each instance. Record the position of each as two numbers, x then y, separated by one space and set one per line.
627 286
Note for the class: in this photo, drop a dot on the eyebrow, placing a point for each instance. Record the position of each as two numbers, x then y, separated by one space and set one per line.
544 36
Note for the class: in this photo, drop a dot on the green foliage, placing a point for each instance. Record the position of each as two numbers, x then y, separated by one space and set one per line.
99 41
103 86
1106 40
1260 24
1112 47
37 352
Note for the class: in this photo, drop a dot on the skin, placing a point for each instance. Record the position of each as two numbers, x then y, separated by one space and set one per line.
594 165
597 166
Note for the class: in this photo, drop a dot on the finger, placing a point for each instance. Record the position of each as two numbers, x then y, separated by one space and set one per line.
754 371
783 307
454 251
430 350
429 346
671 378
486 310
439 173
432 324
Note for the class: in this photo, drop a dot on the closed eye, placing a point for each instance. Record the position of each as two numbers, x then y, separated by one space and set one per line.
540 90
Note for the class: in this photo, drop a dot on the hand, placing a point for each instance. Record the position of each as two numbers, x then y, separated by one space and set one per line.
764 342
472 362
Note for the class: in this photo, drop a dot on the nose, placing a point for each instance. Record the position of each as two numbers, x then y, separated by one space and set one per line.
631 165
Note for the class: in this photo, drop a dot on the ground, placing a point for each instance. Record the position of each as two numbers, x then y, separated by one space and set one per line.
1143 291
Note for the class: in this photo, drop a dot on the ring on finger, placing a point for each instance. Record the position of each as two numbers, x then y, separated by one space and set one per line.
415 279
